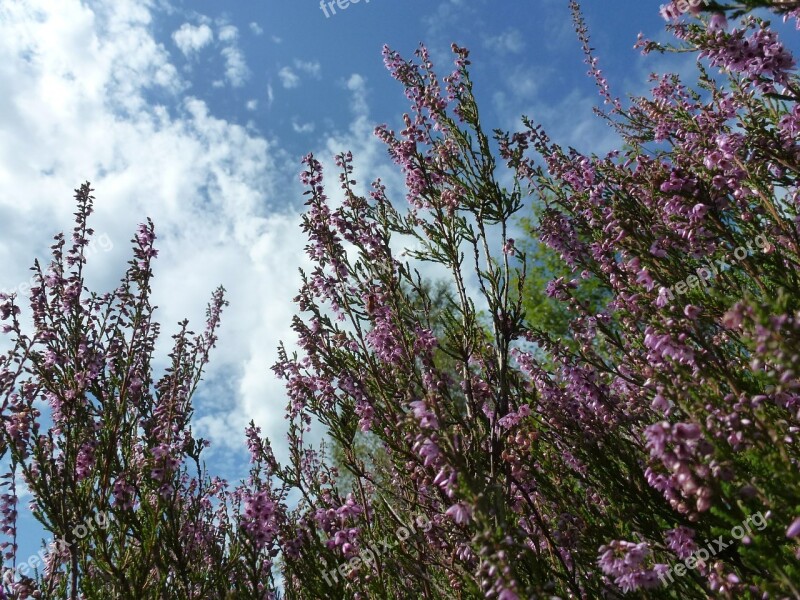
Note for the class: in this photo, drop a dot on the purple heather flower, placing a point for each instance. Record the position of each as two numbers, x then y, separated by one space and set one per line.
691 311
459 512
426 417
681 541
660 403
625 562
794 529
718 22
428 451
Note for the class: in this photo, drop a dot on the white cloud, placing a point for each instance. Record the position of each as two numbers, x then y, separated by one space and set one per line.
523 82
358 85
270 95
289 76
228 33
210 186
303 128
311 68
508 42
252 105
289 79
80 111
256 28
190 38
236 71
449 15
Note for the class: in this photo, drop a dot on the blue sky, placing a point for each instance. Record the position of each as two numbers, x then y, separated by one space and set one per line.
297 61
196 113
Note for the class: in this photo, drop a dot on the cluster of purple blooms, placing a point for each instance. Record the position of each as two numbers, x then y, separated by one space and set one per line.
573 464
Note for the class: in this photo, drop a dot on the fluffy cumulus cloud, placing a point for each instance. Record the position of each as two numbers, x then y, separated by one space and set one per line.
289 79
236 71
79 110
226 201
192 38
228 33
290 76
358 86
311 68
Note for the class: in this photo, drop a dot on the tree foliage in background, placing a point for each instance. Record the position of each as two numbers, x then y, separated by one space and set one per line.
488 441
543 312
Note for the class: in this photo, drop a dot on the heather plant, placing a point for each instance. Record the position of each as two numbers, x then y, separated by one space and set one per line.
473 449
715 363
480 438
89 431
542 311
584 467
675 8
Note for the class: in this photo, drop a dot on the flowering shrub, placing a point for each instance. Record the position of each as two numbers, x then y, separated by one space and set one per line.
675 8
583 465
580 463
88 429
